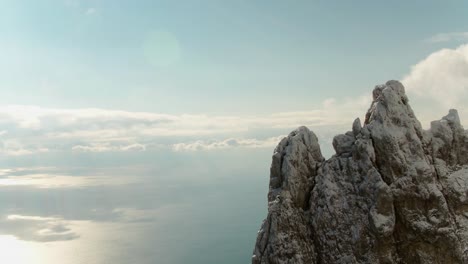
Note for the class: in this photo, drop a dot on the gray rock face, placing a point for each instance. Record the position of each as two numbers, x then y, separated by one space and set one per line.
393 193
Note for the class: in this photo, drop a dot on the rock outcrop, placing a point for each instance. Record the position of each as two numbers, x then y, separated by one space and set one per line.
392 193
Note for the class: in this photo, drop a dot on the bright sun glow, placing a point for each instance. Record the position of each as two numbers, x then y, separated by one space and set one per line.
18 252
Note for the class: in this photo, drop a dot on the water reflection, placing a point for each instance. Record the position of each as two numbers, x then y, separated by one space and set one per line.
20 252
55 180
112 215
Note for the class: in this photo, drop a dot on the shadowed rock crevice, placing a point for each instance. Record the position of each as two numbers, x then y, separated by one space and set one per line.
392 193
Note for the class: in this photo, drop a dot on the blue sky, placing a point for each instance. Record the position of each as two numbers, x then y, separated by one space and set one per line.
139 130
234 57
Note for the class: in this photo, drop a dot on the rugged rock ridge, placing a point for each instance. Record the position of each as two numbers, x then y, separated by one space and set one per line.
393 193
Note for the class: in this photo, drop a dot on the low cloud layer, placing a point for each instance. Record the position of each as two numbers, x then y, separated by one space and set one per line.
435 84
27 130
227 143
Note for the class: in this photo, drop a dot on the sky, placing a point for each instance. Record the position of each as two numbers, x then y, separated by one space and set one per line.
139 130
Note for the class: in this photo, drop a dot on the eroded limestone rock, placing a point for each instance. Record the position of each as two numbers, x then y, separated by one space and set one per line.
393 193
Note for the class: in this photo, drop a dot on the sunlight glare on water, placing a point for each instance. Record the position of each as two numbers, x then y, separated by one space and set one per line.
19 252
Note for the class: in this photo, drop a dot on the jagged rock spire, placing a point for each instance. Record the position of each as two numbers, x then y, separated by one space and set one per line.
392 193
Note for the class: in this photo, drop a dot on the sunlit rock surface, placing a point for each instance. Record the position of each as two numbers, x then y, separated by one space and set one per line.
392 193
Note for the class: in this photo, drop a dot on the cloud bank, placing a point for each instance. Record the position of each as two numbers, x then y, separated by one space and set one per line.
27 130
440 82
435 84
227 143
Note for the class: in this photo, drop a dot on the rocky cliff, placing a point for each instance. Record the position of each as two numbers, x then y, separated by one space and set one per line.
392 193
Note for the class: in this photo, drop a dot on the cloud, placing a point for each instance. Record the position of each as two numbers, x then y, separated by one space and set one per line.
29 130
37 228
13 147
227 143
446 37
440 82
106 147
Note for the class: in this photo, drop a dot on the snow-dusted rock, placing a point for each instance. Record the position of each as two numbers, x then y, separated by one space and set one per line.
284 235
393 193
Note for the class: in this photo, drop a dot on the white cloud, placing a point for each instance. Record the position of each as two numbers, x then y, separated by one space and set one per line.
13 147
446 37
33 129
107 147
133 147
227 143
31 218
439 82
